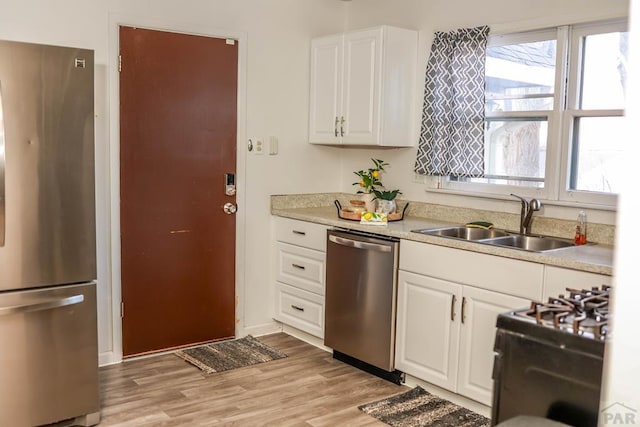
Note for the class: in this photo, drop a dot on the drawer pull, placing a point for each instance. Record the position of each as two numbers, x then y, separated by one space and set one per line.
301 267
295 307
301 233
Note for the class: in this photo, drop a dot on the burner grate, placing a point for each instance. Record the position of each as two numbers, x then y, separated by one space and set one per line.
582 312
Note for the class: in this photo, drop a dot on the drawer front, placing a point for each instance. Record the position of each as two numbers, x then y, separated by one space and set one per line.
300 309
301 267
557 280
505 275
301 233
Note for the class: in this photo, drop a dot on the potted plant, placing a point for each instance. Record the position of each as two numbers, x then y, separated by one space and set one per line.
372 189
386 200
369 179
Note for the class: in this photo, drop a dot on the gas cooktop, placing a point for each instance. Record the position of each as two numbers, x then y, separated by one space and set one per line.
582 312
549 358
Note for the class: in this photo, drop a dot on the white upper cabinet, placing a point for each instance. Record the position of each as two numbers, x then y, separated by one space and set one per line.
359 119
363 88
326 89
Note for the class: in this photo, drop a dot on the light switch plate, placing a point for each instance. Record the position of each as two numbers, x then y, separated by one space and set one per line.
273 145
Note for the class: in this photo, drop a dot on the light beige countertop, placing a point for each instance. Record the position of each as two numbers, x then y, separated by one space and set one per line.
594 258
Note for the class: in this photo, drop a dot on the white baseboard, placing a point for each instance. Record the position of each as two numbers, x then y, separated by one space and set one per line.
264 329
108 358
303 336
450 396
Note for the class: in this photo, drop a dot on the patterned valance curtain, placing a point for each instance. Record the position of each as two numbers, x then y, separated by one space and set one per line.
452 133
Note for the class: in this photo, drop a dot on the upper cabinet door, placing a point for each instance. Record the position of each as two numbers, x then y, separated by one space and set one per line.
363 88
326 90
359 122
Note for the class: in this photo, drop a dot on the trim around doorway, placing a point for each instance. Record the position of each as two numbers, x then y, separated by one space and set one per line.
114 329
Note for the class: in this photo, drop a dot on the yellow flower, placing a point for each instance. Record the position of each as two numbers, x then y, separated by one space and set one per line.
370 178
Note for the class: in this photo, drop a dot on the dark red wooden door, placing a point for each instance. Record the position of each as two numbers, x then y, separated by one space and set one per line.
178 99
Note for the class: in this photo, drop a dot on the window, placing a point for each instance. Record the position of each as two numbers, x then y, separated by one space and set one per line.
594 110
519 99
554 103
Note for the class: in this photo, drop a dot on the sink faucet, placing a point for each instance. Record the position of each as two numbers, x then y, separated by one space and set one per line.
526 213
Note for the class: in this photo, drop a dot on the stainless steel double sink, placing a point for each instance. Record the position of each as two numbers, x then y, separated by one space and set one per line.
502 238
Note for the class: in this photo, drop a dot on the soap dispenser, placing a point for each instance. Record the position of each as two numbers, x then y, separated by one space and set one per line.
581 229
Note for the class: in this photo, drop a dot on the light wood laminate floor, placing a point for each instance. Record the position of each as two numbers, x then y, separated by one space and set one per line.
308 388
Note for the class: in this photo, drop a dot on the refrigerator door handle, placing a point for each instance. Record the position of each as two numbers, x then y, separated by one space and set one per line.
42 305
2 167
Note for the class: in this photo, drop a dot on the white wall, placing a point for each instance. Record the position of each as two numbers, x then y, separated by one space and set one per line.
441 15
277 35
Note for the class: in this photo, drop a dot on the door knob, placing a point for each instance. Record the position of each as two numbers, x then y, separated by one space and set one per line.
229 208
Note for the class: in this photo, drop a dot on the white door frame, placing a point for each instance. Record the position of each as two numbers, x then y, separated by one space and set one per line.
115 21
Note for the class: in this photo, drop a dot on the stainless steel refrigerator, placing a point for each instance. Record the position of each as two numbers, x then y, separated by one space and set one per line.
48 325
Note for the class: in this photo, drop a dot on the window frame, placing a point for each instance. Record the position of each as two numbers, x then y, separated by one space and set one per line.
572 112
560 119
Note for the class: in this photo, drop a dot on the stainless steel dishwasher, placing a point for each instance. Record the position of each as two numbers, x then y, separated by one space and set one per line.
360 306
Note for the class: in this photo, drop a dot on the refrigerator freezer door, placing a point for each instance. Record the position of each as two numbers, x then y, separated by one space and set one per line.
49 357
48 203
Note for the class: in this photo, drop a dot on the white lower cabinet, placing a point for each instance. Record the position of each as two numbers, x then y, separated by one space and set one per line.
446 316
479 310
427 338
557 280
301 267
445 333
300 309
299 274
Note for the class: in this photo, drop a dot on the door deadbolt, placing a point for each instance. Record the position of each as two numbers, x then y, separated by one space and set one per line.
229 208
229 184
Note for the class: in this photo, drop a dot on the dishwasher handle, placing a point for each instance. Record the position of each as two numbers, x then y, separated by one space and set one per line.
359 244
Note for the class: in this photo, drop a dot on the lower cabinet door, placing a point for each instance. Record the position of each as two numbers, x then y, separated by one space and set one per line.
301 309
428 328
479 312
